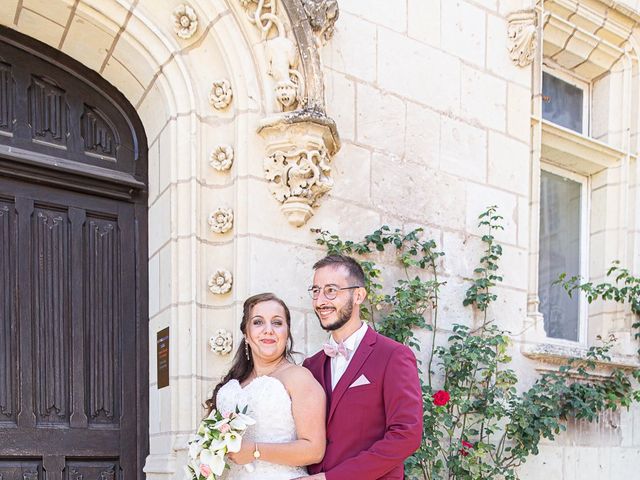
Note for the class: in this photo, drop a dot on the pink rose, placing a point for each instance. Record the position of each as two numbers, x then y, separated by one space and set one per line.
225 428
205 471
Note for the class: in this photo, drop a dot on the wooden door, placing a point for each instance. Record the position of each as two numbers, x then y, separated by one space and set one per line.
73 308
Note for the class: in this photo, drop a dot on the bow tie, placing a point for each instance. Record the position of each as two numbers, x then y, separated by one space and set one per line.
333 350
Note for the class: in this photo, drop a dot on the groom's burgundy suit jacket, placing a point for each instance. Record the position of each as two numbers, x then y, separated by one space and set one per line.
372 427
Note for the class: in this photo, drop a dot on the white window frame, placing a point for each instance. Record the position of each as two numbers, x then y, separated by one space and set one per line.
585 206
583 85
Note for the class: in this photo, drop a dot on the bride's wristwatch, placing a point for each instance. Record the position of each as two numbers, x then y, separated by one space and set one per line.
256 452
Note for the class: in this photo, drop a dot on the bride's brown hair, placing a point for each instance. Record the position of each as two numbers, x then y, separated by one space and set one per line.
243 366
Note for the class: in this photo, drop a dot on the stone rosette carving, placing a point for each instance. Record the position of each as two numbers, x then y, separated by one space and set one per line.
298 161
222 342
322 15
522 37
185 21
220 282
221 221
222 157
221 94
280 52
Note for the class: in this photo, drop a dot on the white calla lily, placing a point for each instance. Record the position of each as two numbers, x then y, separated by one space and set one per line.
241 422
217 444
234 441
194 449
215 461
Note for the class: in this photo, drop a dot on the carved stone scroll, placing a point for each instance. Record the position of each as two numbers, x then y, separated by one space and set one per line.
522 37
298 161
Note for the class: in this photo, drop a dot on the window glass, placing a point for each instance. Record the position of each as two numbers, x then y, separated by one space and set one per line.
562 102
560 204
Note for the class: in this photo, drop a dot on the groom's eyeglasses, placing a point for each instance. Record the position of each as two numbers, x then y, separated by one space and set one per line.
330 291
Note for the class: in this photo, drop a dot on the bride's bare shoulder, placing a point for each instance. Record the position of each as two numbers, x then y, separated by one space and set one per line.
296 377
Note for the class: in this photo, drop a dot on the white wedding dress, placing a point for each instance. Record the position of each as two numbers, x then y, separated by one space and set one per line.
269 405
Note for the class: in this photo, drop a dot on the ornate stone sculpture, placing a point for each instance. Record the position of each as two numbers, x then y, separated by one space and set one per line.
222 157
298 161
220 282
221 94
221 221
322 15
222 342
281 53
522 37
185 21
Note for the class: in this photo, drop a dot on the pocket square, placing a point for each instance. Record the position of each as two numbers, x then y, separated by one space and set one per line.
361 380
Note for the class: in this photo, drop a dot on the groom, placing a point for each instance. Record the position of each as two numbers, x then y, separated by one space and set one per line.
374 401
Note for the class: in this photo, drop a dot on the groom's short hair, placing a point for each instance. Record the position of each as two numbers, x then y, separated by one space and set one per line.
349 263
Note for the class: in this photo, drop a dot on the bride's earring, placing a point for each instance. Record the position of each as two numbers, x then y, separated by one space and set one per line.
246 349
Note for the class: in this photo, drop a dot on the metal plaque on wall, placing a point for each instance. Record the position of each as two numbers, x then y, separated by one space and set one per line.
162 349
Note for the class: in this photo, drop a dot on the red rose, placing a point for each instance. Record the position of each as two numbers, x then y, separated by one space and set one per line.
466 446
441 398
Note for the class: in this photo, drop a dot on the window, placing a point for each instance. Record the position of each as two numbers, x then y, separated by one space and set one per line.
564 102
563 235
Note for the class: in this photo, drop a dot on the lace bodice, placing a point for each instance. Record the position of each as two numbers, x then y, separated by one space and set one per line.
269 405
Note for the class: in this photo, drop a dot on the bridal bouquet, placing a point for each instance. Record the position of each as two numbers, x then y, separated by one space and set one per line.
217 435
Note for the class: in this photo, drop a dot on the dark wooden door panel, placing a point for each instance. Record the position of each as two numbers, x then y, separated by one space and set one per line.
21 470
76 328
73 285
8 320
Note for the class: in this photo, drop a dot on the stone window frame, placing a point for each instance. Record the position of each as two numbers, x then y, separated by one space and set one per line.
586 39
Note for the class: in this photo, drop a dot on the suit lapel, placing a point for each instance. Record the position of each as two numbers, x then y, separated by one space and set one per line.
359 357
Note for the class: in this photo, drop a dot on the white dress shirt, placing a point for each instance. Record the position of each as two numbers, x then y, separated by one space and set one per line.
338 363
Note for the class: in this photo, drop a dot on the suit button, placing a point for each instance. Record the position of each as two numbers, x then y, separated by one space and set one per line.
329 441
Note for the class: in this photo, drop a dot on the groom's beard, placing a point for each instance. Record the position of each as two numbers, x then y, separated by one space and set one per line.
344 314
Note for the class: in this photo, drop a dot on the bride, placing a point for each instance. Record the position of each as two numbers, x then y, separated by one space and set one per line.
287 403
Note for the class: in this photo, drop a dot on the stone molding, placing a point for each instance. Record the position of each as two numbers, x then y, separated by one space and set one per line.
222 342
298 157
185 21
522 37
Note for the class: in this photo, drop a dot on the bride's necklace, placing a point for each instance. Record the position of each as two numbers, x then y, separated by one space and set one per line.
270 372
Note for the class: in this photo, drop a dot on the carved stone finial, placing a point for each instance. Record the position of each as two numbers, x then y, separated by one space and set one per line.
220 282
221 221
522 35
298 161
221 94
322 15
222 157
185 21
222 342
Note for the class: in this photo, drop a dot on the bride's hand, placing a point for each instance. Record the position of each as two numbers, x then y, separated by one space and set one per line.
245 455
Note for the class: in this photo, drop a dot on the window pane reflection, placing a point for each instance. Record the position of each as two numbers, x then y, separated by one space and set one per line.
559 252
562 103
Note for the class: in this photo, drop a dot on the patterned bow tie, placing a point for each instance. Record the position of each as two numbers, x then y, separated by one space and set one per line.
332 350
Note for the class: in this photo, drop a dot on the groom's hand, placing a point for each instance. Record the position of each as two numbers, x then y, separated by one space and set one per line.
318 476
